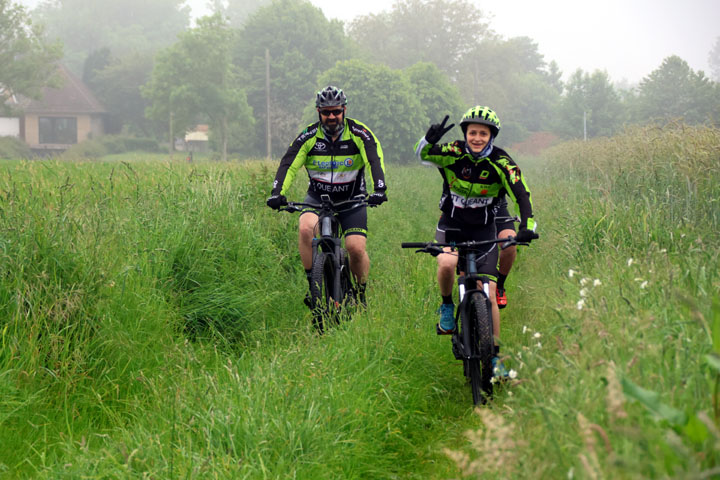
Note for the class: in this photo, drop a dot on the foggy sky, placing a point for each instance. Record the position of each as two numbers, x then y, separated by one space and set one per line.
627 38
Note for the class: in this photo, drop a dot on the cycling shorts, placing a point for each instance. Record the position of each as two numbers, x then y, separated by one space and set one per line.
487 256
352 222
501 210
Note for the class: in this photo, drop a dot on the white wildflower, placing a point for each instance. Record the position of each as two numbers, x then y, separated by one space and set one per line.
510 394
580 304
664 250
597 282
494 379
512 374
571 273
538 344
537 335
639 279
583 292
525 329
584 281
644 284
630 261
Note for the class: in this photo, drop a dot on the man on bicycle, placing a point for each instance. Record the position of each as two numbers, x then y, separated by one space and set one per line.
475 174
337 152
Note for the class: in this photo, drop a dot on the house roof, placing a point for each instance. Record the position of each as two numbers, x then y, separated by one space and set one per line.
73 96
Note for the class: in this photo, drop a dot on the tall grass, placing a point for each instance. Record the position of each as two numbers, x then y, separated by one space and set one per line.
152 326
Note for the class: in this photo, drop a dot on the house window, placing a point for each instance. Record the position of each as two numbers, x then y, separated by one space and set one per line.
60 130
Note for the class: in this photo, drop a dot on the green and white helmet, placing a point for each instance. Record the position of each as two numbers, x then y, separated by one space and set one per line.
483 116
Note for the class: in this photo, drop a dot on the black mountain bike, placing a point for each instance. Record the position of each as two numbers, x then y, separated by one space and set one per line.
332 286
472 341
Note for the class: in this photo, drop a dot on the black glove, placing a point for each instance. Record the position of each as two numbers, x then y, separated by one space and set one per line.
526 236
437 130
376 199
276 201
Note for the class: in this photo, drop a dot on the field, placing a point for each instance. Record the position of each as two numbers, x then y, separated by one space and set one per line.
152 326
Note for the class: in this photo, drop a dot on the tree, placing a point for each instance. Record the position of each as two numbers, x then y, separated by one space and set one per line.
714 60
590 99
384 100
510 76
675 91
28 62
301 44
237 11
437 95
196 78
117 82
439 31
123 26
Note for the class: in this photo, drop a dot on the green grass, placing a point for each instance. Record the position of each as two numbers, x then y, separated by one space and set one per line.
153 326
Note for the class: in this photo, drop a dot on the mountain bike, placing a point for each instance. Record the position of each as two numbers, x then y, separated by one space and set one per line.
472 341
332 285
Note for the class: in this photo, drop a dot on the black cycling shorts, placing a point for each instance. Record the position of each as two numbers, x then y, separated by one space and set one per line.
487 265
352 222
501 210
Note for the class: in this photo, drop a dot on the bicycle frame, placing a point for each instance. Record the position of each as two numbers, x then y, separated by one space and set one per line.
331 274
473 341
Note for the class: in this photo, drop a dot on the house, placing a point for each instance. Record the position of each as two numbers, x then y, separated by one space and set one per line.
197 139
61 118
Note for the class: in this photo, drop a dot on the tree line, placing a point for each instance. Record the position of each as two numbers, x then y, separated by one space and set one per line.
401 69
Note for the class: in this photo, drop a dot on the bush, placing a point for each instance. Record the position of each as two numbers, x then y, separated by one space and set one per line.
91 149
124 144
13 148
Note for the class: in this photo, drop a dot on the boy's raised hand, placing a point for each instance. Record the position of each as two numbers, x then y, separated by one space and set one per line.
437 130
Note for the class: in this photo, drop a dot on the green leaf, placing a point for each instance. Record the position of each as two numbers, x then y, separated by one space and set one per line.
696 430
714 361
651 401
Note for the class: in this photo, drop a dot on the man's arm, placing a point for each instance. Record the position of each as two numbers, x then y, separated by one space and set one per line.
291 162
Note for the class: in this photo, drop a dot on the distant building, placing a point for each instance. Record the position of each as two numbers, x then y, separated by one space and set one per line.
197 140
58 120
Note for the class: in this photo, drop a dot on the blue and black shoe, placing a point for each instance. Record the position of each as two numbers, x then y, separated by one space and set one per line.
447 319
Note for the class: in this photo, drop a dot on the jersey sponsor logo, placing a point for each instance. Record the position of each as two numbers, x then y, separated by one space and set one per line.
485 174
320 147
381 184
307 133
332 187
361 132
333 164
472 202
466 171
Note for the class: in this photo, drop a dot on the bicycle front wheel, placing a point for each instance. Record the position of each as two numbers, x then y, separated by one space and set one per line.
322 284
477 319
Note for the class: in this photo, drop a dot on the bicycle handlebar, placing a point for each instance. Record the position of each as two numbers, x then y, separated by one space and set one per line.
435 248
326 203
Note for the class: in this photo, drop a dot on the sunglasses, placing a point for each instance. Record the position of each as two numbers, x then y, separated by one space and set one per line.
335 112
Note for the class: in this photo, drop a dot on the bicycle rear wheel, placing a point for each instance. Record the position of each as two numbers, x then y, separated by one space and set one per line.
322 284
479 366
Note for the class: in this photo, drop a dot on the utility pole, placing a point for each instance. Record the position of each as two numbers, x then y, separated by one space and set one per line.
267 101
584 125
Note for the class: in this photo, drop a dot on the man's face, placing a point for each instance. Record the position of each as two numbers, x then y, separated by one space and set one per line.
332 117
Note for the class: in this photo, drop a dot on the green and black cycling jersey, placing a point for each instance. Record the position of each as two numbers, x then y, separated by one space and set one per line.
335 168
472 185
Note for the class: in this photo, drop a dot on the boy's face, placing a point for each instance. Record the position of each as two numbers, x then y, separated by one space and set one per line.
477 137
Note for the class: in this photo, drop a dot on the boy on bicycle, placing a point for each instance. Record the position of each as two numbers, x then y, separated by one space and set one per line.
336 152
475 174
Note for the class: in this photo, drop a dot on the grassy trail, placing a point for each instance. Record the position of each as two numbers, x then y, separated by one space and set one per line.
153 327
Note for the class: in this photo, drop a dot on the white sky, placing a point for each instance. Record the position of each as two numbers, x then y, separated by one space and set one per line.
627 38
